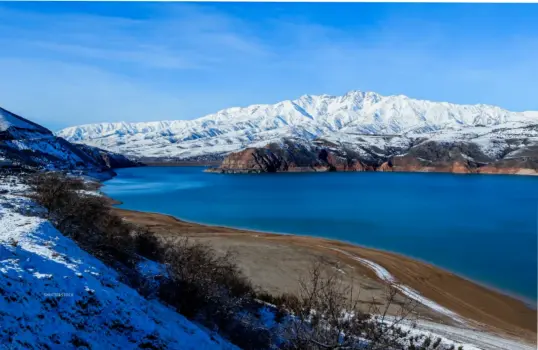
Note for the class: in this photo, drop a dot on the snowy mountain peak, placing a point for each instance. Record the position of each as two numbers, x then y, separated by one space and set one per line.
307 117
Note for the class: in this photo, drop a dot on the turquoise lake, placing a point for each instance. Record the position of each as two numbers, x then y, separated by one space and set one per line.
483 227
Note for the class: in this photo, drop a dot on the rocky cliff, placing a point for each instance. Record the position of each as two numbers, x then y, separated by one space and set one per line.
108 159
292 156
419 156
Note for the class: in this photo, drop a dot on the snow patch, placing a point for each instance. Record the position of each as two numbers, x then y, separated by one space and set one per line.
385 276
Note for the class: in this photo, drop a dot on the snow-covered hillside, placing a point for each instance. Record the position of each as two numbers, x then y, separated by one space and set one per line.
53 295
9 120
305 118
498 141
29 145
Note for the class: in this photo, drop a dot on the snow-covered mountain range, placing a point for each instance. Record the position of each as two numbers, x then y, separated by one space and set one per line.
338 118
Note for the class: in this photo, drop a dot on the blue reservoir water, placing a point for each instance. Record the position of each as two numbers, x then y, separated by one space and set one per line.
483 227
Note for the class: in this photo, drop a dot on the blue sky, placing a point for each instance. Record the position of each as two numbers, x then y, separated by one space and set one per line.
65 64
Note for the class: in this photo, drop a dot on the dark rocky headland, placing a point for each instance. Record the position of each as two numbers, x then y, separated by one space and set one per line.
419 156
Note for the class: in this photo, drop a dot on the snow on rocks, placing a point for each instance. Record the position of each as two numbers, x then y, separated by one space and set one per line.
53 294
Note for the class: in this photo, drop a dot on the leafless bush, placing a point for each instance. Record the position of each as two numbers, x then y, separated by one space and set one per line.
148 244
87 219
53 190
327 315
199 265
210 288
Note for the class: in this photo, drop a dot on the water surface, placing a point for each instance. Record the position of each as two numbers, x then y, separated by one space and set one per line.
483 227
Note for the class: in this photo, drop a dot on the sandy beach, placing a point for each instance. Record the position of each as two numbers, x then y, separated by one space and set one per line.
276 262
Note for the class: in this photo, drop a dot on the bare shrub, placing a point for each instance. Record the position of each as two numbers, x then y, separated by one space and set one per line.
211 288
53 190
148 245
86 218
327 315
207 278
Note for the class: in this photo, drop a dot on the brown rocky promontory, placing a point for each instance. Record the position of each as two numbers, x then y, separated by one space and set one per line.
428 156
293 157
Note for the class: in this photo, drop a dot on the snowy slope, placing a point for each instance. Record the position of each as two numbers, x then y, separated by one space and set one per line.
306 118
10 120
495 142
29 145
54 295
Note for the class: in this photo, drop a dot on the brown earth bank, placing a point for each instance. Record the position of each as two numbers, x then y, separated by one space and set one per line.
275 263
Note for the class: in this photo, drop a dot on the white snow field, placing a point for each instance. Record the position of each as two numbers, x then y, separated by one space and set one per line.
306 118
54 295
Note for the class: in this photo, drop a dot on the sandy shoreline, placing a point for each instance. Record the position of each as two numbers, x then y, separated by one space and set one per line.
525 300
275 262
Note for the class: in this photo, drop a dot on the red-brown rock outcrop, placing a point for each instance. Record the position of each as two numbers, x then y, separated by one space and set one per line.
429 156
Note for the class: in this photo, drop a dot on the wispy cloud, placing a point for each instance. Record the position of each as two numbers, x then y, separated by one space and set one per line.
175 39
168 61
140 54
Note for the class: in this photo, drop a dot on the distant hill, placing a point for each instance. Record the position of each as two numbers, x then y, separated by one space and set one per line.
27 145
